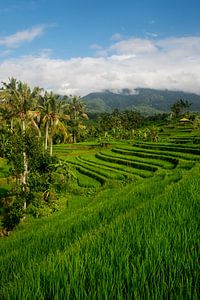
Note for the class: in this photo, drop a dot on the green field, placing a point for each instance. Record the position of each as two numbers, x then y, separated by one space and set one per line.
129 228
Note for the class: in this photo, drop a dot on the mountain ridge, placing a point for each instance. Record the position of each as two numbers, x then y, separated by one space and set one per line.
144 100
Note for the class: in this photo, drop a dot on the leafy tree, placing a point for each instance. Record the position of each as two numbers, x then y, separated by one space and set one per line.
52 114
104 140
196 123
77 112
180 106
119 124
39 181
29 117
154 134
20 99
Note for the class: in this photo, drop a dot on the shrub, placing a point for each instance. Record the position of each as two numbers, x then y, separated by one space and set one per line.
13 213
43 204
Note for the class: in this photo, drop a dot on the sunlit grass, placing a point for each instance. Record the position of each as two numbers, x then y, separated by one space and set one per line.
138 240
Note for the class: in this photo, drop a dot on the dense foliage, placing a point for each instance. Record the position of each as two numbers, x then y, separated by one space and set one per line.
30 120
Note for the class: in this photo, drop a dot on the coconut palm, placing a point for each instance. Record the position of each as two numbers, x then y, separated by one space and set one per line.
34 119
20 99
52 115
8 115
77 113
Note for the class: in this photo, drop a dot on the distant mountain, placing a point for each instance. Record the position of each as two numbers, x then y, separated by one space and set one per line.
148 101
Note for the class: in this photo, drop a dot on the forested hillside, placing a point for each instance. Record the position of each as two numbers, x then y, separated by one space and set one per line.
144 100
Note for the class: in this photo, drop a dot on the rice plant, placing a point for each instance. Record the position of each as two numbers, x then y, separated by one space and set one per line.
133 241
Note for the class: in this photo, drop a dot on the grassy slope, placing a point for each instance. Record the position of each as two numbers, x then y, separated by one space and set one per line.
137 242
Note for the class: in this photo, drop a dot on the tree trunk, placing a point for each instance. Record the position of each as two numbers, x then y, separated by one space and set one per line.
11 124
51 145
36 127
46 136
25 163
74 137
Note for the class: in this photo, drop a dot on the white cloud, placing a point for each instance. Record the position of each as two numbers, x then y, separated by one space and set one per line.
133 46
14 40
172 63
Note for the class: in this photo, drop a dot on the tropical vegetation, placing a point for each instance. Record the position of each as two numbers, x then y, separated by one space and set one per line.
96 206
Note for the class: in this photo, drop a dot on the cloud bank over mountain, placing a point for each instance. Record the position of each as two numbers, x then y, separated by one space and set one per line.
170 63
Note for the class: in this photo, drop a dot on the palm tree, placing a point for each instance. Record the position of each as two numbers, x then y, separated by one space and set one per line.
52 115
20 99
6 111
34 118
77 112
45 112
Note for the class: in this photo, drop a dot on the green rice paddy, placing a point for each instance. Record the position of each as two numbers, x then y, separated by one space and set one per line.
131 230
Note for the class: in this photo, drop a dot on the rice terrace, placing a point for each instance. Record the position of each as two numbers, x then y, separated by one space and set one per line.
103 207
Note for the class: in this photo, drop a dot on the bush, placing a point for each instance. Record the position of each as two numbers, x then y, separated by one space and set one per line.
43 204
13 214
38 212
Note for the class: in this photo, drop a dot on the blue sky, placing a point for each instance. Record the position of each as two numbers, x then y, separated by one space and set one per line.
80 46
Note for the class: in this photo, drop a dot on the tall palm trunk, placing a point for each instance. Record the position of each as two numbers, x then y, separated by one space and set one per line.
46 135
74 137
25 162
75 127
51 144
51 137
11 124
36 127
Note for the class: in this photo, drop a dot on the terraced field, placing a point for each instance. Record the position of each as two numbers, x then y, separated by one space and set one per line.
132 233
125 162
180 134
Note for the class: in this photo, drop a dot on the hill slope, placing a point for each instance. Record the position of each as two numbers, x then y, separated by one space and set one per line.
144 100
133 241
